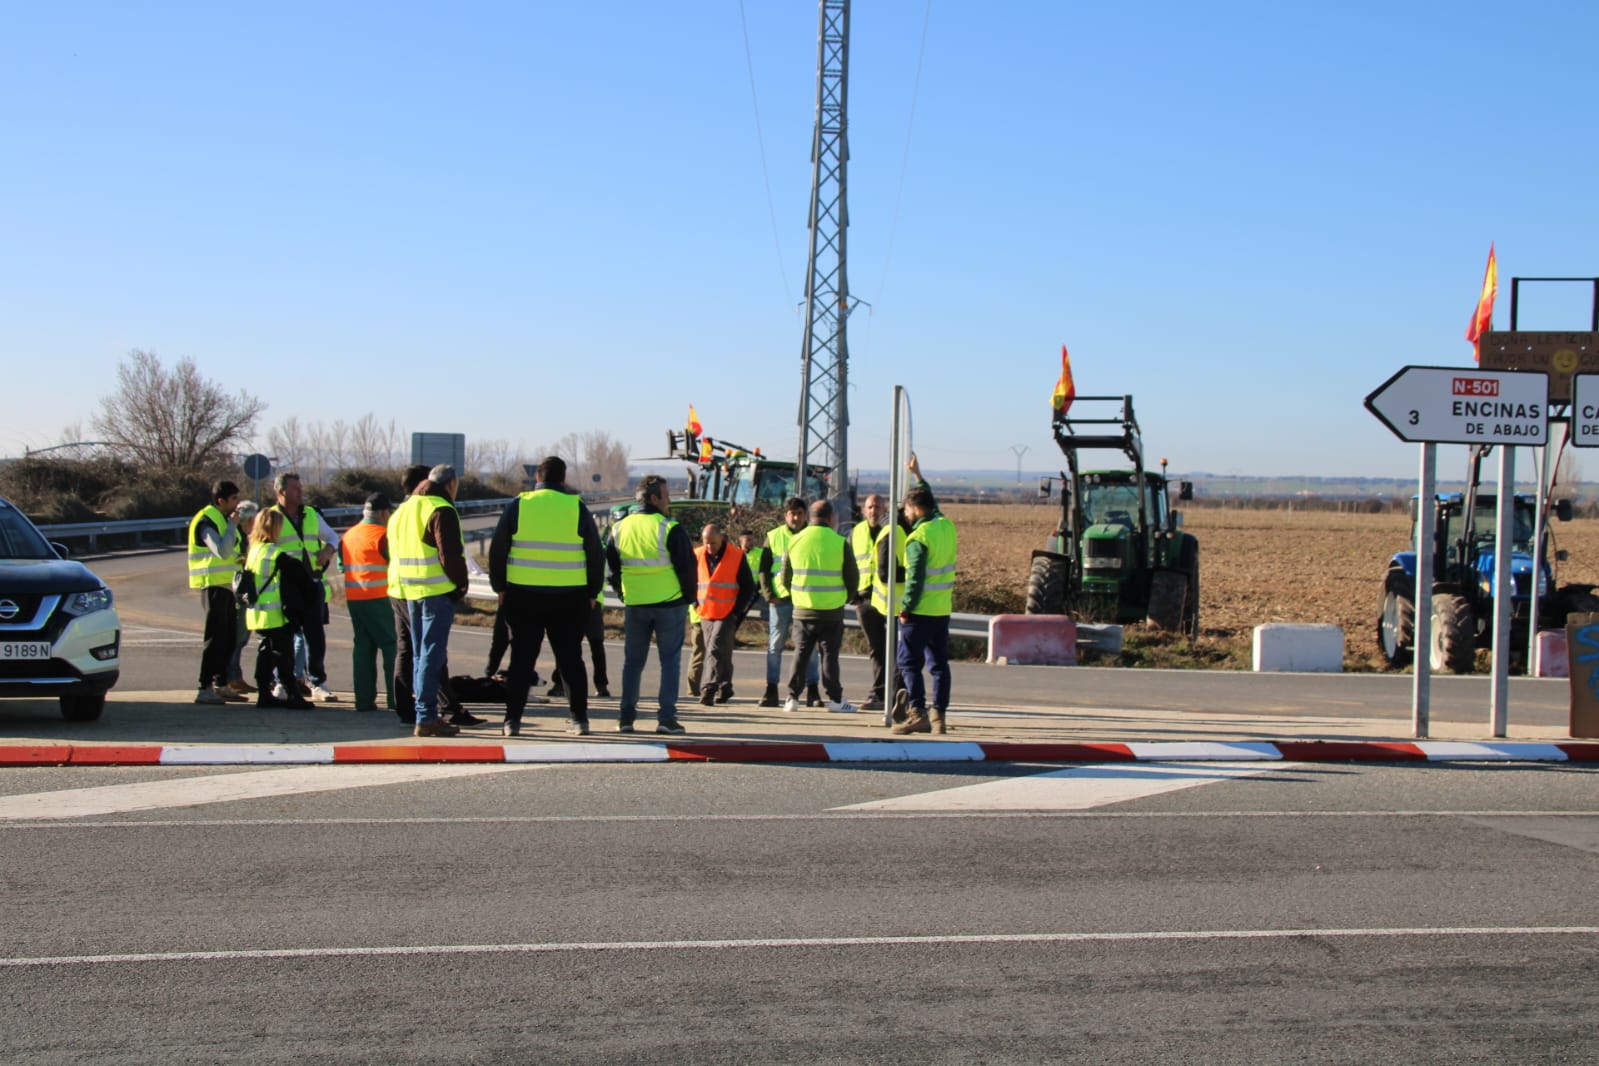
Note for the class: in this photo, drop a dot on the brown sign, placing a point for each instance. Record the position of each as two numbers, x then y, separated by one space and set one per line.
1559 355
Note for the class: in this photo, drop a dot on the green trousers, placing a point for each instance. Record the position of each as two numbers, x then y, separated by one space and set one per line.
373 623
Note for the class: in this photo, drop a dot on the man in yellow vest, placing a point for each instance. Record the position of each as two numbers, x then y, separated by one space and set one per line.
364 558
725 590
546 564
819 572
214 553
924 609
864 546
307 535
653 571
427 569
780 607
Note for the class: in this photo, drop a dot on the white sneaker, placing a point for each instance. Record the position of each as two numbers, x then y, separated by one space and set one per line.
841 707
791 705
322 693
278 691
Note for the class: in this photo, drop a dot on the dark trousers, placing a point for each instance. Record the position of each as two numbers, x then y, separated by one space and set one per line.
274 660
828 634
499 642
221 620
718 634
875 625
314 629
594 633
563 617
925 639
403 693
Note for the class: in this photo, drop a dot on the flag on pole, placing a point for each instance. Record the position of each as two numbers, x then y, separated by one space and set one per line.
1065 388
1482 318
705 450
694 426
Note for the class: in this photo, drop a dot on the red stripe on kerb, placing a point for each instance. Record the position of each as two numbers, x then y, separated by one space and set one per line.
419 753
1580 752
1350 751
734 752
41 755
1042 752
114 755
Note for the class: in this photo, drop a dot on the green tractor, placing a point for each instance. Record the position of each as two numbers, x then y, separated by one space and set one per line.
1118 553
732 475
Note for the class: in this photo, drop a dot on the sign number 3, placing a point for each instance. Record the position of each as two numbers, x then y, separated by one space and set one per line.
1415 417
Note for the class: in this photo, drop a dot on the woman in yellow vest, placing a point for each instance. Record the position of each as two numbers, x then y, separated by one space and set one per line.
274 655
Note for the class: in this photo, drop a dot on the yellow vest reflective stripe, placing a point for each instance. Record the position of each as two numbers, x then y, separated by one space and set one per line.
864 547
546 550
647 573
305 542
206 570
938 583
777 542
268 610
816 560
415 571
366 572
880 602
718 589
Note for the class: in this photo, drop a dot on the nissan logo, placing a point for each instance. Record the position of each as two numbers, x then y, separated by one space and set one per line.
8 610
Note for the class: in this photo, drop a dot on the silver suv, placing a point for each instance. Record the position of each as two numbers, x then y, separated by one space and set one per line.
59 633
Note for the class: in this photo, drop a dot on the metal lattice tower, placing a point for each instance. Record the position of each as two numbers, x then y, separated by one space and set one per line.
824 357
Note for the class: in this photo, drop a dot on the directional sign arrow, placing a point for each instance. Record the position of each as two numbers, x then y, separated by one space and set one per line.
1456 405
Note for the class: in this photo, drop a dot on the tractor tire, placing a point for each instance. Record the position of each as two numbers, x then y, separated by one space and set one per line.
1454 634
1190 566
1046 586
1168 591
1396 624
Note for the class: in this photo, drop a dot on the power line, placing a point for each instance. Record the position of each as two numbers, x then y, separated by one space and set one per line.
760 141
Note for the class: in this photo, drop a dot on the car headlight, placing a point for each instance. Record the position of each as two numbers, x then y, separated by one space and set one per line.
82 603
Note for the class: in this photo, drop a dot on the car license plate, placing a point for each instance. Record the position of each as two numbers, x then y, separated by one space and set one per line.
24 649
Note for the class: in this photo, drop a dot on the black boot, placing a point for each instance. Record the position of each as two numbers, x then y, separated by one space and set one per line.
813 698
770 698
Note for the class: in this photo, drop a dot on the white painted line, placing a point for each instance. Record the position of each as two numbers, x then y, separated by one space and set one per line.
904 751
236 754
1074 789
1445 750
1199 935
1176 750
585 752
225 788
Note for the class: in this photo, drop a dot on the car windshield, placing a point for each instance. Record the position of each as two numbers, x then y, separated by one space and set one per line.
19 539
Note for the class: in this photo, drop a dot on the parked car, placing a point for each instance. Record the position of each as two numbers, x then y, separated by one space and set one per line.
59 631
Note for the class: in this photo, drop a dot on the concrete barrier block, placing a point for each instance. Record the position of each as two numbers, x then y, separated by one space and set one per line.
1032 640
1299 648
1553 658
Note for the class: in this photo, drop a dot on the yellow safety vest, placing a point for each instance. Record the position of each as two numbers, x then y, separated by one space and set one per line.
863 545
754 556
305 542
268 610
546 549
777 542
415 572
647 572
880 602
816 561
207 570
938 583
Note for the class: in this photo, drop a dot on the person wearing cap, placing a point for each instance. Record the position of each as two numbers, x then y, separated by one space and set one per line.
364 559
213 560
246 512
427 569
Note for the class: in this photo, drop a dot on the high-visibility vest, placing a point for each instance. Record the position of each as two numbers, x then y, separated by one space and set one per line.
863 544
754 555
207 570
777 542
816 561
366 572
647 573
718 592
415 572
268 610
546 549
938 583
880 601
305 542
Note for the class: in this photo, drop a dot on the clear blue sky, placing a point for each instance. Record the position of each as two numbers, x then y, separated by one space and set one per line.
519 220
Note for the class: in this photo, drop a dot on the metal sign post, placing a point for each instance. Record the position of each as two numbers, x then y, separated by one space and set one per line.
1504 537
896 493
1426 524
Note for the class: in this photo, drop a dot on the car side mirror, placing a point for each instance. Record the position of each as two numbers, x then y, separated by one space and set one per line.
61 549
1043 488
1563 509
1185 490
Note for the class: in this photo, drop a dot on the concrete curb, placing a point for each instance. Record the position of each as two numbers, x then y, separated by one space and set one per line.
921 751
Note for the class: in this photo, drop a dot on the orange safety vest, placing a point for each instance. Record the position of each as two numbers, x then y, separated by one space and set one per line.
719 590
366 572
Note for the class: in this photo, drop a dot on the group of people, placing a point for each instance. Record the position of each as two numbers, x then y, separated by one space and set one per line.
404 570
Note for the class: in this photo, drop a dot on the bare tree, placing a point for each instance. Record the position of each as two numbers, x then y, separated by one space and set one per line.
287 444
373 445
174 419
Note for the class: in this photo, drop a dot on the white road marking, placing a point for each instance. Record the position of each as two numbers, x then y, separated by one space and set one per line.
153 636
1074 789
796 942
224 788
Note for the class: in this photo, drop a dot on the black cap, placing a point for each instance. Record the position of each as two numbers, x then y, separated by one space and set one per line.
378 502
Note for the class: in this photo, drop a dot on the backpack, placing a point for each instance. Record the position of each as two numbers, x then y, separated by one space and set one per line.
244 590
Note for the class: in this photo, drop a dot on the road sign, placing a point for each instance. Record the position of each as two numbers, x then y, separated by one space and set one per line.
1585 410
1560 355
257 466
1454 405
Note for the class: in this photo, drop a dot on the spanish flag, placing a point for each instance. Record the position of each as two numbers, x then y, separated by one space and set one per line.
694 426
705 450
1065 388
1482 318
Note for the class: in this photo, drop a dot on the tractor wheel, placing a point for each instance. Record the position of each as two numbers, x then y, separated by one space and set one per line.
1190 565
1046 586
1454 634
1396 625
1167 591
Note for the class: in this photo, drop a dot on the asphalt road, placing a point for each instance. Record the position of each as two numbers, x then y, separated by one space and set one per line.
738 913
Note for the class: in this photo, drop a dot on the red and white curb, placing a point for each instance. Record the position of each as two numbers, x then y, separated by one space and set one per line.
1423 751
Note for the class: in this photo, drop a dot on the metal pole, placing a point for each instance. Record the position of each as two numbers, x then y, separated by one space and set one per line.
896 482
1540 467
1426 526
1503 535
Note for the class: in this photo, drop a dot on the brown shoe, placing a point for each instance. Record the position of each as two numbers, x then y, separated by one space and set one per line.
936 718
915 722
435 729
242 687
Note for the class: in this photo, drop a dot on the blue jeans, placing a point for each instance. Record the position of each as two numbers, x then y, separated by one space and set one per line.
431 619
668 624
779 619
925 638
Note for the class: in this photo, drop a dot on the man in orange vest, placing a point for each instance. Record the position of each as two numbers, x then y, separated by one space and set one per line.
364 558
726 590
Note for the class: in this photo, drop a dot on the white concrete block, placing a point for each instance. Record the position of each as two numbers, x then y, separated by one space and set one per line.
1553 658
1290 647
